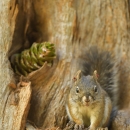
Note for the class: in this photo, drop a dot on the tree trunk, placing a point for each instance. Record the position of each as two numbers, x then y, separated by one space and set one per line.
72 25
14 99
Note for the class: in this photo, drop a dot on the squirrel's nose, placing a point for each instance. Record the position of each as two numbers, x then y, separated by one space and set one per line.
86 98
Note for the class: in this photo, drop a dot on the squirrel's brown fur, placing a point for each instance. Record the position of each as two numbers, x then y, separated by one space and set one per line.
91 100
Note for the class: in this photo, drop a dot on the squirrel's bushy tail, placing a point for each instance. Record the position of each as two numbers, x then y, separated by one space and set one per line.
105 64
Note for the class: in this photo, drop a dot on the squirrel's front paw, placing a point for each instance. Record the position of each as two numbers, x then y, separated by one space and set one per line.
102 128
70 124
78 127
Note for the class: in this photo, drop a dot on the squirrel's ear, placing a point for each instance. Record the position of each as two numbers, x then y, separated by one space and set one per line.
77 76
95 75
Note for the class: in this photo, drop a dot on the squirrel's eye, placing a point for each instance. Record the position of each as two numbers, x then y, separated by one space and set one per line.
77 89
95 88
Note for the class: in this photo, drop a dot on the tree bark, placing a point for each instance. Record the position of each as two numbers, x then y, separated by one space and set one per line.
5 71
17 105
72 25
14 101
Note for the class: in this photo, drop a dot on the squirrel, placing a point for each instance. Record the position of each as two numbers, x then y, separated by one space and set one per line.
94 92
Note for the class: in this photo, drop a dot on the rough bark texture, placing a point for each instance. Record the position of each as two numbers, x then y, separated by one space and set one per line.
14 104
72 25
5 71
17 108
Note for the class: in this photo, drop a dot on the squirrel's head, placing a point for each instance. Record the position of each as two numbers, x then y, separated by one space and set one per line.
86 89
